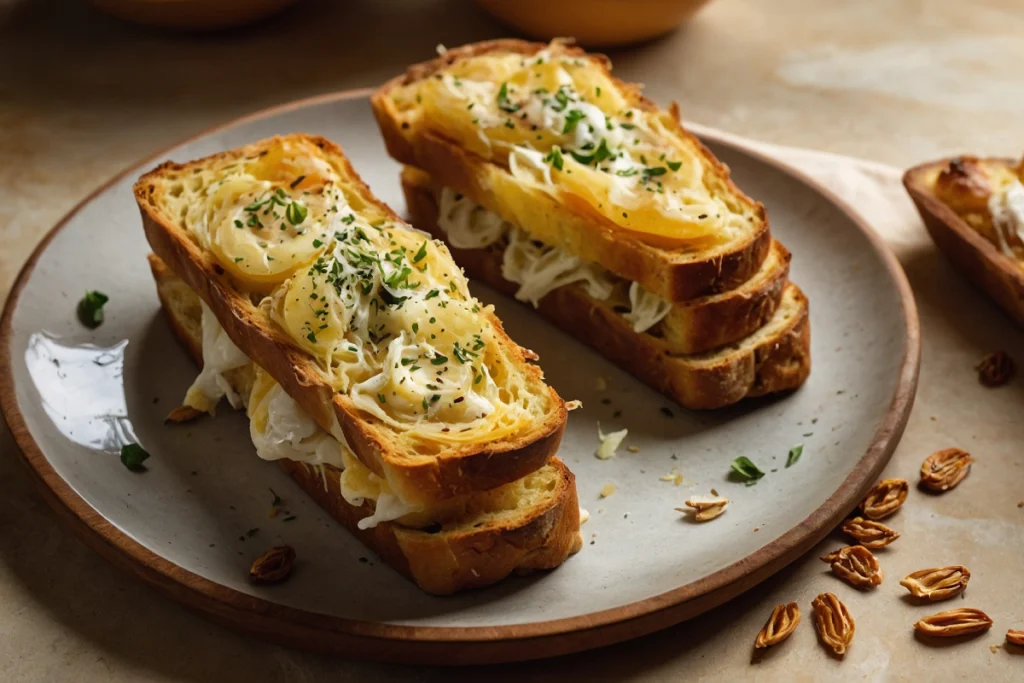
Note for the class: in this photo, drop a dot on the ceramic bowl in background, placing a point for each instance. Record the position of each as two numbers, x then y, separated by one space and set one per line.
600 23
192 15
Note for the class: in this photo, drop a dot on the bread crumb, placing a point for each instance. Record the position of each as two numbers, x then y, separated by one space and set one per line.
600 384
584 516
993 648
714 492
757 528
674 476
607 490
573 405
441 49
633 449
1020 503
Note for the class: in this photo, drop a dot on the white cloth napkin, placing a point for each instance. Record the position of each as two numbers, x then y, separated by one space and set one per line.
872 189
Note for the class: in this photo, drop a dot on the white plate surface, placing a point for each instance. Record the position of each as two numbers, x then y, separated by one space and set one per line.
205 489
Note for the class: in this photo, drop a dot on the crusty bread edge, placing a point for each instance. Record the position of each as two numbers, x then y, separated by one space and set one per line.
456 471
777 364
719 269
995 273
440 563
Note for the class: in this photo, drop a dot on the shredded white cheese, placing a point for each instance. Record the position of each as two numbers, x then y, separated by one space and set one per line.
609 442
537 268
219 356
1007 209
646 309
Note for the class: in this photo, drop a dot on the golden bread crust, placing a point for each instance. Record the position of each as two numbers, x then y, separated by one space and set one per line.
444 562
772 364
673 274
453 471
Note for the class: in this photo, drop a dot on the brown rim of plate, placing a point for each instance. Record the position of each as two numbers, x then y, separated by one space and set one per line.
999 275
460 645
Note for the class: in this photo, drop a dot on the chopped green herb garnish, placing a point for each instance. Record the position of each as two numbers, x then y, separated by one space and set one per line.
132 456
277 499
296 213
439 360
421 254
674 165
572 118
503 102
90 308
317 243
554 158
745 470
794 454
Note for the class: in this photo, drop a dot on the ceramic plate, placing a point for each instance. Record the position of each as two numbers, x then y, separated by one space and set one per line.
192 523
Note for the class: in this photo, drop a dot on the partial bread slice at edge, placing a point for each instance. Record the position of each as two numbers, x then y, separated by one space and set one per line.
775 358
999 275
675 275
461 555
691 326
455 469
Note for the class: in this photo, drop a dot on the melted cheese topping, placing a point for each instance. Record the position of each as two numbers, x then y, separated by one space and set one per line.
1007 209
560 124
537 268
379 305
281 429
219 356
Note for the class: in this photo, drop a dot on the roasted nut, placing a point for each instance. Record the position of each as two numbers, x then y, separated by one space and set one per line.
885 498
995 369
1015 638
780 625
869 534
937 584
856 565
706 508
835 625
942 470
274 565
954 622
183 414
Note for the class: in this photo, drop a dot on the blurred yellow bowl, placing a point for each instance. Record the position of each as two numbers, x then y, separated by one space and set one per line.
603 23
197 15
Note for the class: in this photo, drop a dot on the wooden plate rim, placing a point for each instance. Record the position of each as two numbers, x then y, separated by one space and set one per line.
450 645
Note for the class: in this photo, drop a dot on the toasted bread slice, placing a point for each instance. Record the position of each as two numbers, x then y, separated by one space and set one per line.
774 358
953 197
692 326
474 120
379 295
526 525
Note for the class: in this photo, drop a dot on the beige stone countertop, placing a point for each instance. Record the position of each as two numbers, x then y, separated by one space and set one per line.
897 81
